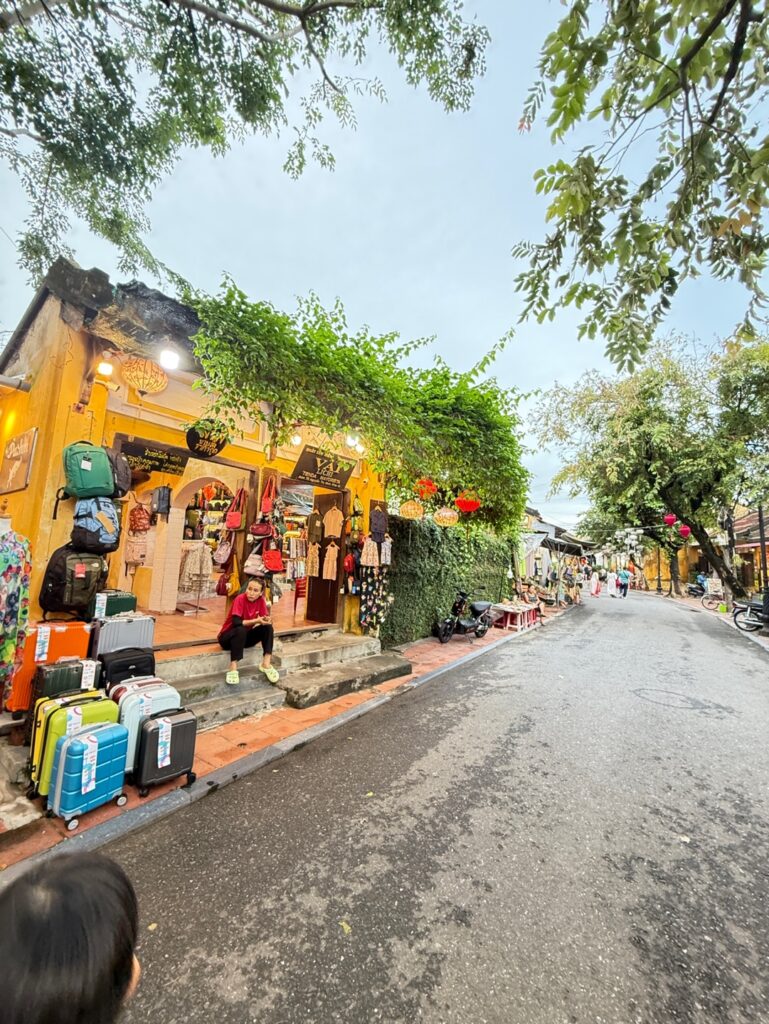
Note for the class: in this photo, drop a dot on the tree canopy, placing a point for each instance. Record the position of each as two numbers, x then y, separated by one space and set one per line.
678 182
309 367
99 97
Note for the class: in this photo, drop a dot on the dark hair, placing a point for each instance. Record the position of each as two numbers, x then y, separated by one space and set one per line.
68 931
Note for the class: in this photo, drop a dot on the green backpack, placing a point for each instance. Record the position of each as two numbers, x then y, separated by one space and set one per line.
88 471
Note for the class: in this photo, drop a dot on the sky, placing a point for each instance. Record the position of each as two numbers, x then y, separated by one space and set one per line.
413 230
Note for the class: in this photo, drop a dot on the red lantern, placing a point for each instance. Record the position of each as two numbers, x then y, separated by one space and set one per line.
425 488
669 519
685 531
468 501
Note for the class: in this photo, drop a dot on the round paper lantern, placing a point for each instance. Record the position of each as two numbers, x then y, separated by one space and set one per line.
412 509
669 519
425 488
685 531
468 501
144 375
446 517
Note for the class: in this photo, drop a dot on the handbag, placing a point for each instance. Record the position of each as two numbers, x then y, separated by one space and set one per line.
254 565
260 530
223 551
235 519
272 558
268 498
233 580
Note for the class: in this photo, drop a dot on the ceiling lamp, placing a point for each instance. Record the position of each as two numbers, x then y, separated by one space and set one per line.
144 375
446 517
360 449
169 359
412 509
105 368
296 440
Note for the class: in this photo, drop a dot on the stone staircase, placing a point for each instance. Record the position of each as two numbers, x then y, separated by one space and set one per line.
314 667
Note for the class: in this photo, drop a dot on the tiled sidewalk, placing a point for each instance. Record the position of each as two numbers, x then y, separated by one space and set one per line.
218 748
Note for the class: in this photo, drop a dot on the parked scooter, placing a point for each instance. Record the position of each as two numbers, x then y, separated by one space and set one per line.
700 586
459 621
749 616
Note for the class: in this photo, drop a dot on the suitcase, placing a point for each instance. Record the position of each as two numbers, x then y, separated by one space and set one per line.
46 642
166 748
111 602
139 699
121 631
117 666
59 717
66 676
88 771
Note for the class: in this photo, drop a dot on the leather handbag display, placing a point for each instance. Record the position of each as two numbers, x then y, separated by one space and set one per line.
260 530
272 558
235 519
223 551
268 498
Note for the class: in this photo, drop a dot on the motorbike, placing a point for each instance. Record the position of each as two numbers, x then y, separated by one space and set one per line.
695 590
749 616
466 617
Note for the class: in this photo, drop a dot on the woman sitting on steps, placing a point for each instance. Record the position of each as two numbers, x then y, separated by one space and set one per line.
247 624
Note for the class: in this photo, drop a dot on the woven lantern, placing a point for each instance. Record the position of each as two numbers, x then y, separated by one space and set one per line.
425 488
446 517
144 375
412 509
468 501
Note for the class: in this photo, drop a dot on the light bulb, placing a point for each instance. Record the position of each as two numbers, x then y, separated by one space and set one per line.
105 368
296 440
169 359
352 440
359 448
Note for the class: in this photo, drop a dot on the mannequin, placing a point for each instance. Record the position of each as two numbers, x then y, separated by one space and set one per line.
15 568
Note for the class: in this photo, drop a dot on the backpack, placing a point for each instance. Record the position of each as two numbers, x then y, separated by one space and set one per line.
87 471
160 504
139 519
96 526
71 580
121 472
135 550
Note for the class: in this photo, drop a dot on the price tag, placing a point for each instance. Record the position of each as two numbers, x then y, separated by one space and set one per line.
85 463
42 641
74 720
101 606
164 742
80 570
88 676
145 705
88 776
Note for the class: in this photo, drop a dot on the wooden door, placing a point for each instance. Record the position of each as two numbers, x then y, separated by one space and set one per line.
323 595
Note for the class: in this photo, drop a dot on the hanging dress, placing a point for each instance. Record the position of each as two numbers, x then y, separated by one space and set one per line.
15 569
331 562
313 560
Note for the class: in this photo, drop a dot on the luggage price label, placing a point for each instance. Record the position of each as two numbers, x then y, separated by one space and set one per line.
101 605
42 641
164 742
88 776
74 720
88 676
145 705
85 464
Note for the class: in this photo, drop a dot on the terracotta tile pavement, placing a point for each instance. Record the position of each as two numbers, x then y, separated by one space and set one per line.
219 747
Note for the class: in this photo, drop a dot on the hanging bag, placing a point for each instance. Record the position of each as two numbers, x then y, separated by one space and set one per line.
160 504
87 471
260 530
235 519
272 558
223 552
139 519
268 498
96 527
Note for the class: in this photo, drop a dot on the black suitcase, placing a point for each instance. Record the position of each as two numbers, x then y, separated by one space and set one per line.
117 666
64 676
180 748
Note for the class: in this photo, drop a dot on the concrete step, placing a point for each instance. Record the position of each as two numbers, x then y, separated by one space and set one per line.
221 703
317 685
314 652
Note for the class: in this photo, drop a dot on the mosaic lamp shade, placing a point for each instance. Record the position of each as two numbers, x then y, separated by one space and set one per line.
146 376
412 509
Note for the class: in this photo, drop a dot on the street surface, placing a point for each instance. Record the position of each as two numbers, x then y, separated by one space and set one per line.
572 828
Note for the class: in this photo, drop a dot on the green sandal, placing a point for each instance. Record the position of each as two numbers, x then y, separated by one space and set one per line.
270 672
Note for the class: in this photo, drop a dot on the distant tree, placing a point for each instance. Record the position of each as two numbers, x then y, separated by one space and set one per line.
679 182
98 98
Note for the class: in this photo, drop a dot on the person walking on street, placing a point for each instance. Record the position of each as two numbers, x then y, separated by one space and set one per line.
595 583
248 624
624 576
611 583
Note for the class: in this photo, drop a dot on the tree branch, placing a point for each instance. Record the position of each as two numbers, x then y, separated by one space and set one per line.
15 133
321 65
746 11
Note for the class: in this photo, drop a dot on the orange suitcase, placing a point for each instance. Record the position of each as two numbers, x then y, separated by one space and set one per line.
46 642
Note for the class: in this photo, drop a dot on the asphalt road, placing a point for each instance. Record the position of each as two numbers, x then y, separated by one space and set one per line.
573 828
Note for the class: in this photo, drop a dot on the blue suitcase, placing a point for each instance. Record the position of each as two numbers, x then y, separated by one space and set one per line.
88 771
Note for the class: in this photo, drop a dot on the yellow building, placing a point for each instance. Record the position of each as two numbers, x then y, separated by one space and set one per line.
72 371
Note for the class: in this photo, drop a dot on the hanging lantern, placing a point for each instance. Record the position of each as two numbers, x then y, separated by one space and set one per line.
412 509
144 375
684 530
468 501
425 488
446 517
669 519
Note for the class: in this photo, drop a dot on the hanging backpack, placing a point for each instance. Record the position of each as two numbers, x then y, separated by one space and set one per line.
96 526
139 519
235 519
71 581
136 550
87 471
121 472
160 504
268 497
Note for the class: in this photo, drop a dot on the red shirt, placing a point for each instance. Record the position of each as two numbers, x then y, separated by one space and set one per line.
245 609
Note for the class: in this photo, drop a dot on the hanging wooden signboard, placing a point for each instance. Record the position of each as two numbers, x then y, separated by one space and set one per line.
323 469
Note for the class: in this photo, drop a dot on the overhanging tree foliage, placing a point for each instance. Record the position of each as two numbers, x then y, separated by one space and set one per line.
309 367
99 97
679 182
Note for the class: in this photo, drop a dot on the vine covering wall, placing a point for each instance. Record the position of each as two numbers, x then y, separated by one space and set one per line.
429 563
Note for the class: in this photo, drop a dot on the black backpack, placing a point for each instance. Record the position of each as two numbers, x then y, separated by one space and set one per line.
160 503
71 580
121 471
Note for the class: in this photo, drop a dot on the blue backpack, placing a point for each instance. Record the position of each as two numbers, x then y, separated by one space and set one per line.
96 526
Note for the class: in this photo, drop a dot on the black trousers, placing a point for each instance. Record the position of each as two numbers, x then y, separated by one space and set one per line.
236 640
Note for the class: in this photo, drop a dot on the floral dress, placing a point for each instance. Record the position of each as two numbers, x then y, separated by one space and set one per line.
15 568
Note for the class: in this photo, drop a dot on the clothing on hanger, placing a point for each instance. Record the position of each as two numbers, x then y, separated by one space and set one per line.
313 560
386 551
15 569
379 523
333 521
331 562
370 555
314 527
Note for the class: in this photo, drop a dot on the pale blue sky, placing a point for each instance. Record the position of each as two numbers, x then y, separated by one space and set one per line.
413 230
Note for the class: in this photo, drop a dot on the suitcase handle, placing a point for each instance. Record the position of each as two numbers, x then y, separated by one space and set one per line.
168 714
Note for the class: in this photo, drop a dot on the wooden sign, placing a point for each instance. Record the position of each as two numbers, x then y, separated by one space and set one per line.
322 469
16 462
150 457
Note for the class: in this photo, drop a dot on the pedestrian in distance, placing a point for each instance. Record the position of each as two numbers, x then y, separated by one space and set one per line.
247 624
624 576
68 933
595 584
611 583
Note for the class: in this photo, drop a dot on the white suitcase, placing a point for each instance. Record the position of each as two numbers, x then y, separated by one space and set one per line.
138 699
120 631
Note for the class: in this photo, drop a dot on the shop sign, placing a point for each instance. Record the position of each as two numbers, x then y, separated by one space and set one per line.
16 463
323 469
204 440
149 457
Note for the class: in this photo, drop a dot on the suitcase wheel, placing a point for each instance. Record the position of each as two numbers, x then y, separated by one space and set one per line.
31 791
122 800
191 777
72 824
17 715
143 790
